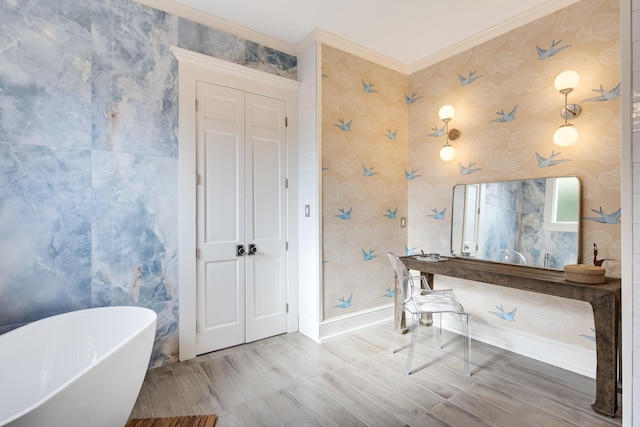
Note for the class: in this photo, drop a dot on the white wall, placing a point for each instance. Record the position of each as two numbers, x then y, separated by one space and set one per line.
631 298
309 168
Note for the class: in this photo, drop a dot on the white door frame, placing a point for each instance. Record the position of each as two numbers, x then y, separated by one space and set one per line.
194 66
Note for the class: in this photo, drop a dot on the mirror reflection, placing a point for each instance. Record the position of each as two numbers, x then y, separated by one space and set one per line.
531 222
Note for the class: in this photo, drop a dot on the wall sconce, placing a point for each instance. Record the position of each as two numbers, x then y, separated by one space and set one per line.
567 134
447 152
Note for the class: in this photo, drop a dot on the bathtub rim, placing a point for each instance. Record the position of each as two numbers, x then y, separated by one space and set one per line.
149 320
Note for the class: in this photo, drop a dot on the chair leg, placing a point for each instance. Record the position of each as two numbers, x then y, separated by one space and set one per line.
466 343
412 345
394 343
437 324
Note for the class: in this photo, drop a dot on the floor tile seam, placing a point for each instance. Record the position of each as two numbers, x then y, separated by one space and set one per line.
362 396
146 392
394 389
543 394
280 389
228 368
431 414
234 369
156 411
182 392
288 392
569 402
511 411
481 421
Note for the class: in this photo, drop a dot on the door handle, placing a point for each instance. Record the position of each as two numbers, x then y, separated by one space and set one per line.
240 251
252 249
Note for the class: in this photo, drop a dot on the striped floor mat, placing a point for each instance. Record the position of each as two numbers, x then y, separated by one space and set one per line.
188 421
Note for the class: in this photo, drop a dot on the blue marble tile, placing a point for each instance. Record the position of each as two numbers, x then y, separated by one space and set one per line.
216 43
165 347
134 79
45 231
81 228
270 60
134 236
45 69
210 41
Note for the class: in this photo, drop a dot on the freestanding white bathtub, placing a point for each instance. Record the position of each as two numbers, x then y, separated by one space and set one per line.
83 368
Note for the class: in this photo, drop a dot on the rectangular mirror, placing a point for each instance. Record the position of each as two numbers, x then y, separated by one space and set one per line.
531 222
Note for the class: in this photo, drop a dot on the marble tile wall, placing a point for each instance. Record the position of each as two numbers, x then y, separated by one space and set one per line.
88 155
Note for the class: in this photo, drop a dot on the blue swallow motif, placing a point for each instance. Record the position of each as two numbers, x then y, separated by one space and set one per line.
345 304
368 87
438 215
605 95
411 175
465 81
391 214
391 135
509 317
550 161
390 293
466 170
344 126
368 172
604 218
411 99
437 132
343 214
411 251
548 53
368 256
590 337
506 117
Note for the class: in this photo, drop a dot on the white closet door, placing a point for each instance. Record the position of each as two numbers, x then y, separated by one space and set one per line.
241 202
266 225
220 217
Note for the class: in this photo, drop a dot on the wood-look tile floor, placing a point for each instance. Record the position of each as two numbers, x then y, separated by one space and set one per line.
353 380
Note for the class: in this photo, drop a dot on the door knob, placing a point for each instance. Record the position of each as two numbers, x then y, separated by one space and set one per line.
240 251
252 249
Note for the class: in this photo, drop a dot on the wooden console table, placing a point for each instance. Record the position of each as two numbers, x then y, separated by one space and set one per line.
604 300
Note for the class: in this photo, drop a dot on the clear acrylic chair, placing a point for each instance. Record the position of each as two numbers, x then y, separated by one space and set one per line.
416 301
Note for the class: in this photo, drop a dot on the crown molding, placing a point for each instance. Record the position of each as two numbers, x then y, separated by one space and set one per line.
321 36
186 12
504 27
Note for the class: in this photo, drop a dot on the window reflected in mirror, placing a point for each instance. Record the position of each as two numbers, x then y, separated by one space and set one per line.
531 222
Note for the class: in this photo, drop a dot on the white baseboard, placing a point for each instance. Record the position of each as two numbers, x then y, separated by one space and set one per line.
575 359
351 322
565 356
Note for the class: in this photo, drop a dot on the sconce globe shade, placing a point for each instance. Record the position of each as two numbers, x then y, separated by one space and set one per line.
565 135
447 153
567 80
446 112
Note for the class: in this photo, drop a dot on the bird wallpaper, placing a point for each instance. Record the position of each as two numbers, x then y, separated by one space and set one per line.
507 110
364 180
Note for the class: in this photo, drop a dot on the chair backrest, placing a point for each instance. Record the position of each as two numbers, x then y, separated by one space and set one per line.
403 280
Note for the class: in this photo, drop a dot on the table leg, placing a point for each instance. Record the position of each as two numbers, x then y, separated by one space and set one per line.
399 318
427 319
605 315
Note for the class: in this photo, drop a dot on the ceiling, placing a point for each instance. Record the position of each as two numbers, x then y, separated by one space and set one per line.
407 31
